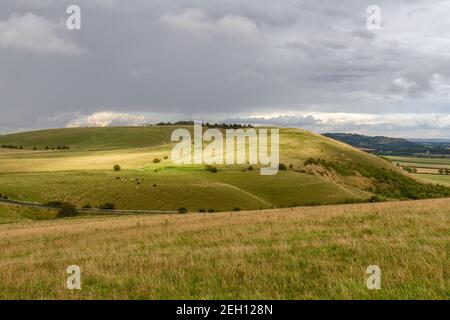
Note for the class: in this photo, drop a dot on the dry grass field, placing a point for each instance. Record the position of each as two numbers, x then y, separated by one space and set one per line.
295 253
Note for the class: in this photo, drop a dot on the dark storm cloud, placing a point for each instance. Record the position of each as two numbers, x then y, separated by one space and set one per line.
219 58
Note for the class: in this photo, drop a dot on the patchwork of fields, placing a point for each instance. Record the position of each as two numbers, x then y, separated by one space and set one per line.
428 169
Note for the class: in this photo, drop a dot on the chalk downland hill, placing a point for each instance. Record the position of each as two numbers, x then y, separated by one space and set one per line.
76 165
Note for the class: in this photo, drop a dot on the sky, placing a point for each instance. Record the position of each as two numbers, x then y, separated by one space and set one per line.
307 63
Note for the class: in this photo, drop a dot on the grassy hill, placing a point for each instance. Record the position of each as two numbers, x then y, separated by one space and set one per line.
296 253
320 171
89 138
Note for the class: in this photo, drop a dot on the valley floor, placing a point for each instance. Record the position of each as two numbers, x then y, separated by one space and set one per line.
296 253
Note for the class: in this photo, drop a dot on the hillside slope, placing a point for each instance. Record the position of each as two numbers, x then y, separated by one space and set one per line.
319 171
89 138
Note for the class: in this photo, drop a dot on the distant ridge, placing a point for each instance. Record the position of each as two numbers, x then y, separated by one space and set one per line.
391 146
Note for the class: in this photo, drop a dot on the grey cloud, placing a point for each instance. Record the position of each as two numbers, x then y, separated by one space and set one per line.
407 125
252 57
288 121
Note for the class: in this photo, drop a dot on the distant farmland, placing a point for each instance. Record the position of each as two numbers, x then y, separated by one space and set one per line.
428 169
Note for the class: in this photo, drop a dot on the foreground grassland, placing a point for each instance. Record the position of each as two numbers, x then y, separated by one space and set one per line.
297 253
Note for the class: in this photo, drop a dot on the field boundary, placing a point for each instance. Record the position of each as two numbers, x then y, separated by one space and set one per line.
91 210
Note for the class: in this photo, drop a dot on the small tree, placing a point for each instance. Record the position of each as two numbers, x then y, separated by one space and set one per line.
410 169
108 206
116 167
211 168
182 210
156 160
282 166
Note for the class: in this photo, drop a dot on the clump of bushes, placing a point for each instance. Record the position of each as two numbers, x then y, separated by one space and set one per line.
211 210
377 198
10 146
87 206
156 160
211 168
107 206
282 167
410 169
341 168
67 210
236 209
116 167
182 210
312 203
201 210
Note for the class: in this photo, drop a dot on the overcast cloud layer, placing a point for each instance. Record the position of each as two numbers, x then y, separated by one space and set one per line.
310 64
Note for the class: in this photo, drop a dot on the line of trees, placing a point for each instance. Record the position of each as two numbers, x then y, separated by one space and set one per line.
12 146
444 171
206 124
